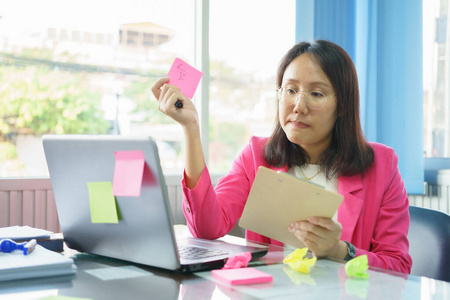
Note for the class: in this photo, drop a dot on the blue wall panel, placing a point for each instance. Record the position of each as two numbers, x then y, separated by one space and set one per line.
384 38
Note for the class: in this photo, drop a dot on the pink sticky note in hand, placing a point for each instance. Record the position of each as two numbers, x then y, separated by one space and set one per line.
241 276
185 77
128 173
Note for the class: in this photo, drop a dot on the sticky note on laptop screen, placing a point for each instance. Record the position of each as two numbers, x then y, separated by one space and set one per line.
185 77
128 173
102 203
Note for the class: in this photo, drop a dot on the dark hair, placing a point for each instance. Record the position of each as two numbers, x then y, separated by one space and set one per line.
349 153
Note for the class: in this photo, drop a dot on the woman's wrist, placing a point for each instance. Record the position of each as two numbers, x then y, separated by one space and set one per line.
191 129
341 250
195 161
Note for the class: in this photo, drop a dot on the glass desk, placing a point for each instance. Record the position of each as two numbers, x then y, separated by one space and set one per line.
103 278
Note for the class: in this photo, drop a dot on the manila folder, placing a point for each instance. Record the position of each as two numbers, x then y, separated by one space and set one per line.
277 199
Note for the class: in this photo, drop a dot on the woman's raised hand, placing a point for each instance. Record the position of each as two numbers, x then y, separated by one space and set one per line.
167 95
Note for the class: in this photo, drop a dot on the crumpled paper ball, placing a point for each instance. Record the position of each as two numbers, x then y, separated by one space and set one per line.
238 261
357 267
297 261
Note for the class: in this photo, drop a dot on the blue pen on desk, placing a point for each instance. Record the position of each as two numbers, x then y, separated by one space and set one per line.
8 245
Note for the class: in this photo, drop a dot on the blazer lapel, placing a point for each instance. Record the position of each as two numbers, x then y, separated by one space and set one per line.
350 208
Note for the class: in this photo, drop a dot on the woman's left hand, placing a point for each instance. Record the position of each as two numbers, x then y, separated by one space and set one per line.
321 235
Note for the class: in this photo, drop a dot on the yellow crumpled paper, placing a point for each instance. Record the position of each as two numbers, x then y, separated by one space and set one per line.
298 278
297 261
357 267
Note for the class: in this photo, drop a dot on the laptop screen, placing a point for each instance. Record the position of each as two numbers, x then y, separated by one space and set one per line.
111 197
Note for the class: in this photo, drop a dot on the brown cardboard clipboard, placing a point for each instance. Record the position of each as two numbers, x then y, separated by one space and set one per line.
277 199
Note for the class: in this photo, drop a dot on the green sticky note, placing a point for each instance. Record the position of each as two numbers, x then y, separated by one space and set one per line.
102 202
357 267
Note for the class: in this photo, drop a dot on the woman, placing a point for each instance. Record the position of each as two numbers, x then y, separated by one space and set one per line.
317 137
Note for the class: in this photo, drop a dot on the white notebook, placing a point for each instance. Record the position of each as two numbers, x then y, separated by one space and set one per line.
21 233
39 263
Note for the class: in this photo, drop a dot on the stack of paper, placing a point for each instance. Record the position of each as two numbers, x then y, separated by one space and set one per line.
21 233
45 238
39 263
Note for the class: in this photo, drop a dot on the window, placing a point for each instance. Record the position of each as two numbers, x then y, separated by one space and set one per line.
76 36
148 39
245 50
436 69
63 74
88 37
64 35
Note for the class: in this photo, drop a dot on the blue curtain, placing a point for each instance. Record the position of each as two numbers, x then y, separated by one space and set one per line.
384 39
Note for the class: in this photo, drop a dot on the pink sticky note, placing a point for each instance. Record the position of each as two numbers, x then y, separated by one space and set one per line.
128 173
238 261
185 77
241 276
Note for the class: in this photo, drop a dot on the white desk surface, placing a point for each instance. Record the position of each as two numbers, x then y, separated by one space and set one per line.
103 278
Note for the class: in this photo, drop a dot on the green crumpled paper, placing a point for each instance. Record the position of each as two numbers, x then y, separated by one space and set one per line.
357 287
297 261
357 267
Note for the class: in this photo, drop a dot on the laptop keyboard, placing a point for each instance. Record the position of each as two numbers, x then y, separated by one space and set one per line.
192 252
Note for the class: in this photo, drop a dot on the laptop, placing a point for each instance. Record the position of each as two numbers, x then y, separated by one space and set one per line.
144 231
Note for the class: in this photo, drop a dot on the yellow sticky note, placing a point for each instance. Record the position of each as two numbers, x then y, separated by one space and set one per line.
102 202
357 267
297 261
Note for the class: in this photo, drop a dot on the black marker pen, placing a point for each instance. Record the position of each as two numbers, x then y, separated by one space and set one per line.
179 104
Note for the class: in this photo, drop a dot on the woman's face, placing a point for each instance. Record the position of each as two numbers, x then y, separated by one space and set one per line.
311 129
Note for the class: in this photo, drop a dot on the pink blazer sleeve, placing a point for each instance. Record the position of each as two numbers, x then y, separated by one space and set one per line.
374 214
213 213
389 242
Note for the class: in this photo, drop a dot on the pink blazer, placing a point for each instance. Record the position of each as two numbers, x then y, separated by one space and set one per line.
374 214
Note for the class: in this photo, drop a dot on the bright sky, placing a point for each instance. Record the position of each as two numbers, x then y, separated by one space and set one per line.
249 35
252 34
